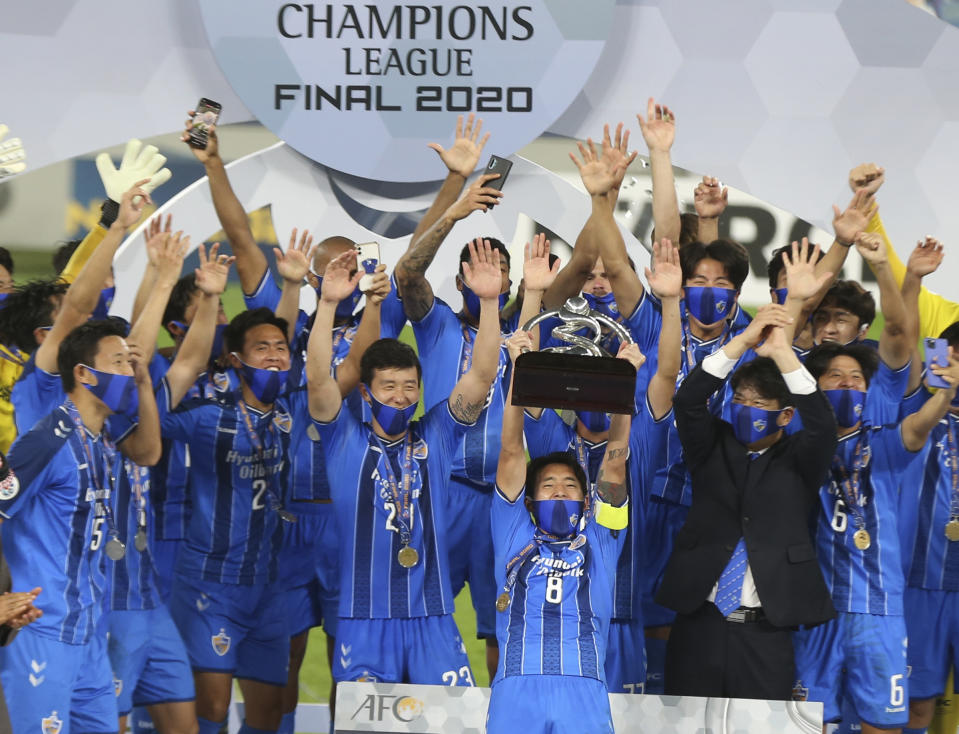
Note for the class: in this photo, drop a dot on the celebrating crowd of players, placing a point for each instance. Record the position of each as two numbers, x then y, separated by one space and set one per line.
190 514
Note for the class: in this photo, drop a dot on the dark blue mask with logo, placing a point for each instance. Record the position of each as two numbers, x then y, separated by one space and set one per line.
751 424
265 384
847 405
604 304
557 517
709 305
392 420
118 392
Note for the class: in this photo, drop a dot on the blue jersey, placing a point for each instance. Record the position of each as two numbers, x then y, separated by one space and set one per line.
133 579
57 523
868 581
884 396
234 532
445 344
557 622
169 499
372 582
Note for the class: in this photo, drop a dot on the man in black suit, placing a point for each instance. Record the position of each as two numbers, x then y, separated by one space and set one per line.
743 573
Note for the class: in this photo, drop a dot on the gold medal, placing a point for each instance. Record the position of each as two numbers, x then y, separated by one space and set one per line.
408 557
861 539
952 529
502 602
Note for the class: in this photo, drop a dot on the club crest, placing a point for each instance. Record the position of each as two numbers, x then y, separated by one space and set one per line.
221 643
420 450
759 424
9 487
117 686
221 381
51 724
283 421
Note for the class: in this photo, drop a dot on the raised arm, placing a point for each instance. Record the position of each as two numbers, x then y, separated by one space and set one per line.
611 479
659 131
925 259
538 276
710 200
81 298
511 468
324 393
847 225
154 236
804 283
292 266
666 283
348 373
482 275
894 345
917 426
410 271
193 356
251 263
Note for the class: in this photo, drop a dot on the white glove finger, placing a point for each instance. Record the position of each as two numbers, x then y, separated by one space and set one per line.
12 169
12 156
3 130
153 165
130 153
107 172
145 155
159 178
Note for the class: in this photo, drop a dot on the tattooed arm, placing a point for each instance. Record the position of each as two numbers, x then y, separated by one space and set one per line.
611 482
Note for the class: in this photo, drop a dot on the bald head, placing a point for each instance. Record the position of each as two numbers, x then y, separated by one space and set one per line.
329 249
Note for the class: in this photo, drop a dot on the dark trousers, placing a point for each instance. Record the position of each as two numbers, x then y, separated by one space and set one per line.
710 657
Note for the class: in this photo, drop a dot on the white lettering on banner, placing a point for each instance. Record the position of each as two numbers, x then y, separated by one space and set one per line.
388 77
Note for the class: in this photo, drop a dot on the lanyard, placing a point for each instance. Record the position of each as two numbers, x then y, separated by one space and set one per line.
954 467
274 501
849 484
688 342
517 562
400 494
347 333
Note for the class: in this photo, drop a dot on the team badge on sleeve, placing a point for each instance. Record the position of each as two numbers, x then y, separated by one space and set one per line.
9 487
51 724
117 686
221 643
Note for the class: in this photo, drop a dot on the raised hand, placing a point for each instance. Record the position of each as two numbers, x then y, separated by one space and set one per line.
616 155
170 252
950 372
294 264
482 273
767 317
132 202
517 343
710 198
926 257
537 274
212 149
774 341
337 281
595 174
154 235
867 176
140 166
379 285
849 223
666 277
871 247
467 147
631 353
478 197
214 270
659 127
800 266
141 367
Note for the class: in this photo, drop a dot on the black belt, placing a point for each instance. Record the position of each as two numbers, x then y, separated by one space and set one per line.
744 615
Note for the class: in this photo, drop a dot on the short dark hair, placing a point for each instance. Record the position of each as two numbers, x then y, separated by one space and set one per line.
63 253
26 309
776 264
731 255
821 356
235 333
951 335
762 375
81 345
6 259
535 467
494 244
385 354
850 296
179 301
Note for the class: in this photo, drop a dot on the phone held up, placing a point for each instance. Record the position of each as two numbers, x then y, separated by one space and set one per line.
367 258
937 353
500 166
205 115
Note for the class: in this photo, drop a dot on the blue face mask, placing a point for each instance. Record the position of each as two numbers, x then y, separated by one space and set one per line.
217 348
604 304
781 294
594 421
392 420
118 392
346 307
847 405
557 517
751 424
103 305
709 305
265 384
472 301
3 297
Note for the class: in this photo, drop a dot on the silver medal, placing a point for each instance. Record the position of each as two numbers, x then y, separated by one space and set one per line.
115 549
140 540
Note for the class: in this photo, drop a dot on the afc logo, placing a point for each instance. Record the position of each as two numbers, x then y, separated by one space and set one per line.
402 708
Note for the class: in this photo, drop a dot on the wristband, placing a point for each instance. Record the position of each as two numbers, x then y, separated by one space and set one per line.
109 213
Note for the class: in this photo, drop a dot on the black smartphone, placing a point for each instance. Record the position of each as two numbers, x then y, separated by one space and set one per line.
937 352
500 166
205 115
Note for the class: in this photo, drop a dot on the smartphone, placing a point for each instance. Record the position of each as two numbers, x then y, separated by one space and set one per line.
367 258
500 166
938 350
206 113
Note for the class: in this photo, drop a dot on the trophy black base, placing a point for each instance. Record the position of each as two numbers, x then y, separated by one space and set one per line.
574 382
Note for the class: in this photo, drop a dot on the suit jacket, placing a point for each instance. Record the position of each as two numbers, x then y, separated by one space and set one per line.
770 501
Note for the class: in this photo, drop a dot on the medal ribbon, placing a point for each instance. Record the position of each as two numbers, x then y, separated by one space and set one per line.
133 471
954 466
402 498
515 565
850 484
258 446
100 508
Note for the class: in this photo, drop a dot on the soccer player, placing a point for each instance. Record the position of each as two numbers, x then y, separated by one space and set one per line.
556 555
59 522
389 481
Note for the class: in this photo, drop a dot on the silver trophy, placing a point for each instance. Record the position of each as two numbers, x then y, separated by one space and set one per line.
580 374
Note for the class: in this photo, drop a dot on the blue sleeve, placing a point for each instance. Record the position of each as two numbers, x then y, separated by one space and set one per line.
511 527
31 460
893 451
335 435
158 368
914 401
392 315
443 431
647 449
645 323
885 393
266 295
546 434
439 339
35 394
180 423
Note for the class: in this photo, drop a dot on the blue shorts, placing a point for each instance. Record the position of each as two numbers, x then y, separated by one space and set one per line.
308 567
228 628
861 655
663 520
164 554
51 686
426 650
149 659
470 542
932 621
557 704
626 657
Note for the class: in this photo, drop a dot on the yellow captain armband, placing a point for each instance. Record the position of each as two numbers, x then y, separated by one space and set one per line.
610 516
